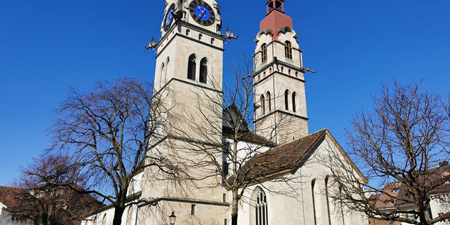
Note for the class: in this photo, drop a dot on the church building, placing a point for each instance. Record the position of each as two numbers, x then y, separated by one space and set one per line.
189 64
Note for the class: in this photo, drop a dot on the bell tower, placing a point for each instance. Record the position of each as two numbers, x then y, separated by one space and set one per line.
188 76
189 60
191 46
279 84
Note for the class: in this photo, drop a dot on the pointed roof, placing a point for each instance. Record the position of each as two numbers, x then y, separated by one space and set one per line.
288 157
276 20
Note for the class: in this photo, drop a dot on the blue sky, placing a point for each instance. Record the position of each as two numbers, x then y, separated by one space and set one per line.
48 46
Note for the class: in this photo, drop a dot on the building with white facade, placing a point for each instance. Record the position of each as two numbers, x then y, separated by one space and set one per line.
189 64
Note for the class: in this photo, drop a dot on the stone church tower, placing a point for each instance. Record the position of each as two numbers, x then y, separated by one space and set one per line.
279 84
189 73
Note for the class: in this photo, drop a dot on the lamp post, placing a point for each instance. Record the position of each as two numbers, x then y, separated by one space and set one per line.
172 218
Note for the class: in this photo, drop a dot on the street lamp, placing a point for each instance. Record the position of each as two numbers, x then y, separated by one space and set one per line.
172 218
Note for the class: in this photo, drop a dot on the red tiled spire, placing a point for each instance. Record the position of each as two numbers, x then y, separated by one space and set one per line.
275 18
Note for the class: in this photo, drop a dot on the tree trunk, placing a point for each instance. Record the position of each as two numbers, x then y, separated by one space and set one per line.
118 212
44 219
234 210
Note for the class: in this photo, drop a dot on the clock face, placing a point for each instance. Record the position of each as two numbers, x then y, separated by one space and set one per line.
169 17
202 12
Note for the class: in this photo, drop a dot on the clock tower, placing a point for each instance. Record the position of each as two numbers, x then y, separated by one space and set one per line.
279 84
188 76
189 60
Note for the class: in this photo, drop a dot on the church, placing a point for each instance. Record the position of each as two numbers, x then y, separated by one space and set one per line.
293 186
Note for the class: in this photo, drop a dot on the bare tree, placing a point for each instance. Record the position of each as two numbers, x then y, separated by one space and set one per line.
39 198
402 143
221 141
112 133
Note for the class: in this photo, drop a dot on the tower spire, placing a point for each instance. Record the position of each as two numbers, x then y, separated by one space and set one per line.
276 20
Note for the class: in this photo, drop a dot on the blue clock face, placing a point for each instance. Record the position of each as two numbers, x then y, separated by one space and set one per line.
169 17
202 12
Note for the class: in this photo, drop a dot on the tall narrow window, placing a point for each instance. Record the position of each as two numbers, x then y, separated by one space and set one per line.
313 184
261 211
269 102
104 220
341 207
294 98
286 99
203 70
193 210
162 76
192 64
288 50
167 66
328 199
263 107
129 216
264 52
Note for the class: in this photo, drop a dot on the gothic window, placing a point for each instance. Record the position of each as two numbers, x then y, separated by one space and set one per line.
163 72
288 50
203 70
286 99
294 98
328 199
261 209
263 107
129 216
264 52
167 66
313 184
104 220
192 64
269 102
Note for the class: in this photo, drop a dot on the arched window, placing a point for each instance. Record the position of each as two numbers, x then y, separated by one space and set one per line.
286 99
261 210
328 199
163 70
167 66
269 102
192 64
288 50
187 32
263 107
294 98
313 198
104 220
130 216
264 52
203 70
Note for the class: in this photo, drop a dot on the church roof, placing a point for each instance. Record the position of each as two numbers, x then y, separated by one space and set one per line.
287 158
282 159
8 196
